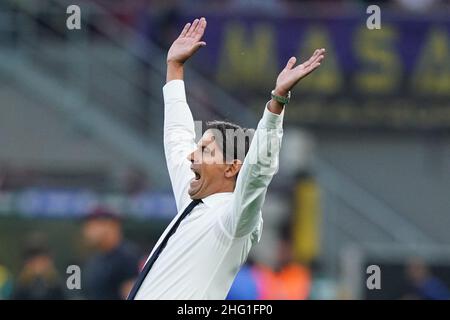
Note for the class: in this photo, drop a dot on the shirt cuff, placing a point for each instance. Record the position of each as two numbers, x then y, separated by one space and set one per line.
174 90
272 120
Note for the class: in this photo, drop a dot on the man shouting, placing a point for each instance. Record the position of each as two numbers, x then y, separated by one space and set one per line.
219 184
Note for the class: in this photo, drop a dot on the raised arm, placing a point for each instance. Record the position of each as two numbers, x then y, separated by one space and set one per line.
179 133
184 47
261 162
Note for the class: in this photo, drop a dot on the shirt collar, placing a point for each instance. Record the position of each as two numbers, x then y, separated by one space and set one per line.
217 198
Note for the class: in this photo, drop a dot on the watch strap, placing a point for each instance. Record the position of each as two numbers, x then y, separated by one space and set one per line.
281 99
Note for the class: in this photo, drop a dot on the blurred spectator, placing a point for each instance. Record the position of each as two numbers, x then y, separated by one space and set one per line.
289 281
323 287
109 274
38 279
245 285
5 283
424 285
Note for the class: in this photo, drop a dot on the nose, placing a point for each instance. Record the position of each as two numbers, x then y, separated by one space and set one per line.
190 157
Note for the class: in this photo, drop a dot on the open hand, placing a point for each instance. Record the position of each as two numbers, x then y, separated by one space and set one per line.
291 75
188 42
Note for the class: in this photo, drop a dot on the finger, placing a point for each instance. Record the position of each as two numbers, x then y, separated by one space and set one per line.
303 71
200 22
199 45
192 29
317 59
291 63
312 67
185 30
200 29
312 59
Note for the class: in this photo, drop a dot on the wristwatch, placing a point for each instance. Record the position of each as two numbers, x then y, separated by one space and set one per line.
281 99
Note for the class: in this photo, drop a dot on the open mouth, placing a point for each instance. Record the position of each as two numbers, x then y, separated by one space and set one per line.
197 175
195 183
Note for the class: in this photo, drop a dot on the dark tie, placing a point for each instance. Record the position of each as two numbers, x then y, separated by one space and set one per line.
158 251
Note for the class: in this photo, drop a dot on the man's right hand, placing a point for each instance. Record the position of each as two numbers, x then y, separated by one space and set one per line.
187 43
184 47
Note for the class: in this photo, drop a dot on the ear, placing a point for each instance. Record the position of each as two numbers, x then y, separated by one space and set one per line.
233 168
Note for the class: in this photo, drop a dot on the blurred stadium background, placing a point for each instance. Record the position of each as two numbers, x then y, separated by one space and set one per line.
365 165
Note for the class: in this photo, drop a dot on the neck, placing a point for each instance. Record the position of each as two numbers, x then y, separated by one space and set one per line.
228 187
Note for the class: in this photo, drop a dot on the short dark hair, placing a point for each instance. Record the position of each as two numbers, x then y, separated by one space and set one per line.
233 140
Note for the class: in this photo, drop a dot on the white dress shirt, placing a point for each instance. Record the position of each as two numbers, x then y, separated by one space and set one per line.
202 258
